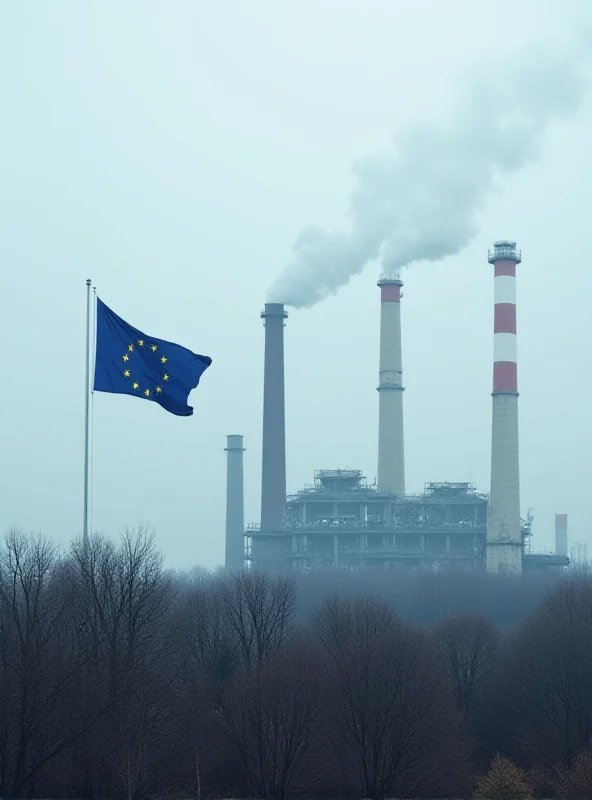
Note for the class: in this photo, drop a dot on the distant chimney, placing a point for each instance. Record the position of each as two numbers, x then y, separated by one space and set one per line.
504 532
391 455
561 534
235 505
273 472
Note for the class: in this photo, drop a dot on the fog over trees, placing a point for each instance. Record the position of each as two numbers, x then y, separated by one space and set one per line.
121 679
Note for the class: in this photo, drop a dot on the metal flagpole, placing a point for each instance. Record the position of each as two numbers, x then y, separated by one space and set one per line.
86 420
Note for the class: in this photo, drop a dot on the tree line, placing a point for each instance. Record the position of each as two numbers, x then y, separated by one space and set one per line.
119 678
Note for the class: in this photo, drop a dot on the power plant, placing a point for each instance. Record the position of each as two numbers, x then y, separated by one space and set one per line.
341 521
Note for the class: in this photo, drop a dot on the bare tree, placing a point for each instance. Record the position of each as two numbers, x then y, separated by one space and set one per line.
208 656
259 610
208 636
273 715
544 697
127 599
39 658
390 712
128 595
141 724
469 645
225 623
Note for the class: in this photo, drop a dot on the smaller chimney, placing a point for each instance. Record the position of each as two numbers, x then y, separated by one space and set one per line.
235 505
561 534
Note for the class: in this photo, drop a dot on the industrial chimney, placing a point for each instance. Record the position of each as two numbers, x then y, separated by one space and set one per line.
561 534
504 535
234 558
391 458
273 474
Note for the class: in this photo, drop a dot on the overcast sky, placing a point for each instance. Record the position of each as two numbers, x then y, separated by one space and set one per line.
171 151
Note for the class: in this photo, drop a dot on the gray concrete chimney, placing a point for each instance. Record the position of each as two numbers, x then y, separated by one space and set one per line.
273 472
234 558
561 534
391 453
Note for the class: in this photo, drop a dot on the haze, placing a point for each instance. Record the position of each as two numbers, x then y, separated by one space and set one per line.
172 152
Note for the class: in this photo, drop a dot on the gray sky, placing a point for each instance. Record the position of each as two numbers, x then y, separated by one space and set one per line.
172 151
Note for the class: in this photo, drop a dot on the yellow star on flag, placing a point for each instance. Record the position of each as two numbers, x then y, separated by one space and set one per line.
136 385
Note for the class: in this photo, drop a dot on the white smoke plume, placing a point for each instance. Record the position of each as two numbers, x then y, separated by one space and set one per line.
419 201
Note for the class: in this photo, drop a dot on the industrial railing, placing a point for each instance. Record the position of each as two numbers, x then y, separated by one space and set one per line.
378 525
504 252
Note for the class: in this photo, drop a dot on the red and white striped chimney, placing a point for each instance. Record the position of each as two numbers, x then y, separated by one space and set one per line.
391 456
504 535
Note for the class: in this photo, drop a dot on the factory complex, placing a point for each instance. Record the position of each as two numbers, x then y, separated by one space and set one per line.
340 521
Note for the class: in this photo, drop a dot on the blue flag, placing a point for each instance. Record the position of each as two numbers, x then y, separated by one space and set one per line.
129 362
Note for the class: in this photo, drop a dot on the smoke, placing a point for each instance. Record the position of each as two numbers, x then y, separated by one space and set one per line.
419 201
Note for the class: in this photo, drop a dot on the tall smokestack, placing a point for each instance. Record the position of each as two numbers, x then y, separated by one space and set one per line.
504 536
561 534
273 477
391 460
234 558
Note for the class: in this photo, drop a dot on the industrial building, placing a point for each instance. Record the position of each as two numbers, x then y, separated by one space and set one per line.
341 521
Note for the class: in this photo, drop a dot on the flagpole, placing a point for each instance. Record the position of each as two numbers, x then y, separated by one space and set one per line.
86 420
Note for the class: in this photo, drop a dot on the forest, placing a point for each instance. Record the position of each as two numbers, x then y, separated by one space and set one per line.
120 678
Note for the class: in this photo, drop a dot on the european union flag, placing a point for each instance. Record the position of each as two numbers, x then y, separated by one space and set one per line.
129 362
